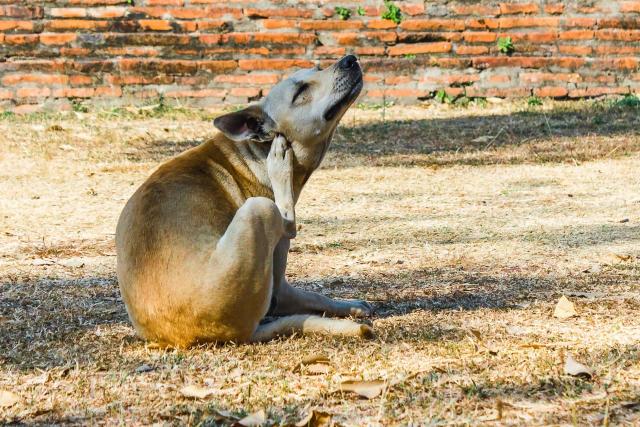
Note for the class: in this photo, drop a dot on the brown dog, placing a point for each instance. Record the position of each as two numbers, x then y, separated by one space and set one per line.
202 244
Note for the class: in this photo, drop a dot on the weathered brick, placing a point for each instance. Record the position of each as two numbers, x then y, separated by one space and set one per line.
107 12
331 25
575 50
472 50
381 24
16 26
630 6
274 64
285 12
57 39
479 37
418 48
21 39
597 91
528 22
540 77
196 93
579 22
369 50
330 51
276 24
433 25
618 35
80 80
108 91
576 35
286 38
248 92
6 94
74 92
67 12
30 78
155 24
217 66
516 8
551 92
412 9
473 9
33 92
75 24
554 8
244 79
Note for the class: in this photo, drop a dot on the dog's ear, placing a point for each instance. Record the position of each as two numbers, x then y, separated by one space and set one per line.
251 123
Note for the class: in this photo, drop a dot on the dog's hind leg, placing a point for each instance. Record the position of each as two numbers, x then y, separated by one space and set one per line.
309 324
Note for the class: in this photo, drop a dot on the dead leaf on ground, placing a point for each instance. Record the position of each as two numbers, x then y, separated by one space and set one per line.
484 138
315 418
564 309
199 392
144 368
368 389
258 418
8 399
576 369
315 365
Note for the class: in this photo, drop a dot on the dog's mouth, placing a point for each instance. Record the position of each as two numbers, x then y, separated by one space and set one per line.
345 101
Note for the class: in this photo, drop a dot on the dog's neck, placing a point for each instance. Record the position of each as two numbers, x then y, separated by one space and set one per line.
306 160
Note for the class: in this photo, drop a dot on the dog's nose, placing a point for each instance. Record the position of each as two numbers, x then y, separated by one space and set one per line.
347 62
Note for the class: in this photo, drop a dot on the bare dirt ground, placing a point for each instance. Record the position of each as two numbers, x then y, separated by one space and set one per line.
463 226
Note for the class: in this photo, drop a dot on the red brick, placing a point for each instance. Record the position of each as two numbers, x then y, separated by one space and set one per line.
597 91
217 66
41 79
630 6
551 92
482 24
16 25
80 80
620 35
274 24
539 37
616 63
412 9
516 8
274 64
433 24
11 11
56 38
528 22
68 12
285 12
479 37
284 38
579 22
196 93
33 92
330 51
258 79
397 93
381 24
155 25
472 50
74 51
74 92
331 25
397 80
108 91
539 77
165 2
382 36
107 12
248 92
138 80
20 39
6 94
576 35
132 51
404 49
575 50
625 23
478 10
617 50
513 92
554 8
76 24
369 50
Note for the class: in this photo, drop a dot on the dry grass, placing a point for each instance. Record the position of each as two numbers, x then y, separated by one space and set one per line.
462 246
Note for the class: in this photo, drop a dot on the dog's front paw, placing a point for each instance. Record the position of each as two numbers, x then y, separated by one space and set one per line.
355 308
280 170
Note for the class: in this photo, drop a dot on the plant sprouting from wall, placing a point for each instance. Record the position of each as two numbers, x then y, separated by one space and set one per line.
343 12
392 12
505 45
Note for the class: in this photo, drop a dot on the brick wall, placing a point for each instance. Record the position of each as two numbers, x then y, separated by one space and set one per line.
202 52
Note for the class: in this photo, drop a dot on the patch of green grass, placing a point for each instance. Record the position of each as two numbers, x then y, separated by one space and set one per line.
343 12
392 12
374 105
409 56
7 115
534 101
628 101
505 45
443 97
79 107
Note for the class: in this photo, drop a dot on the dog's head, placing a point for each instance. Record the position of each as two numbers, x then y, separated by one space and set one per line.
305 108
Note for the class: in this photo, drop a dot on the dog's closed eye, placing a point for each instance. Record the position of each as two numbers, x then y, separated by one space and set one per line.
301 89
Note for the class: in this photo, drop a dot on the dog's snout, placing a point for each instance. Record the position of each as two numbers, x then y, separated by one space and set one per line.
347 62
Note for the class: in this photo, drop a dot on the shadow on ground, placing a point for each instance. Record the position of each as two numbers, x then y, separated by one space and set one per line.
595 130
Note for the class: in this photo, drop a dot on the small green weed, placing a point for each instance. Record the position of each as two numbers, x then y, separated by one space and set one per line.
79 107
628 101
392 13
343 12
410 56
534 101
443 97
374 105
360 11
505 45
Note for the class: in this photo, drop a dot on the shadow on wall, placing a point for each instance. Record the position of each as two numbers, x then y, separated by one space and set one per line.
564 134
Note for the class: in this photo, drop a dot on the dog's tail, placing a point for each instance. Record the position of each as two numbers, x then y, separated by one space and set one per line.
309 324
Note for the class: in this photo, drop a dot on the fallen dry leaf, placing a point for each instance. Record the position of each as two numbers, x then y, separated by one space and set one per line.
8 399
315 365
576 369
564 309
315 418
368 389
258 418
199 392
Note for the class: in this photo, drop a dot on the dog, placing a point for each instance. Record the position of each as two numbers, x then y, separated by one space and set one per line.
202 244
